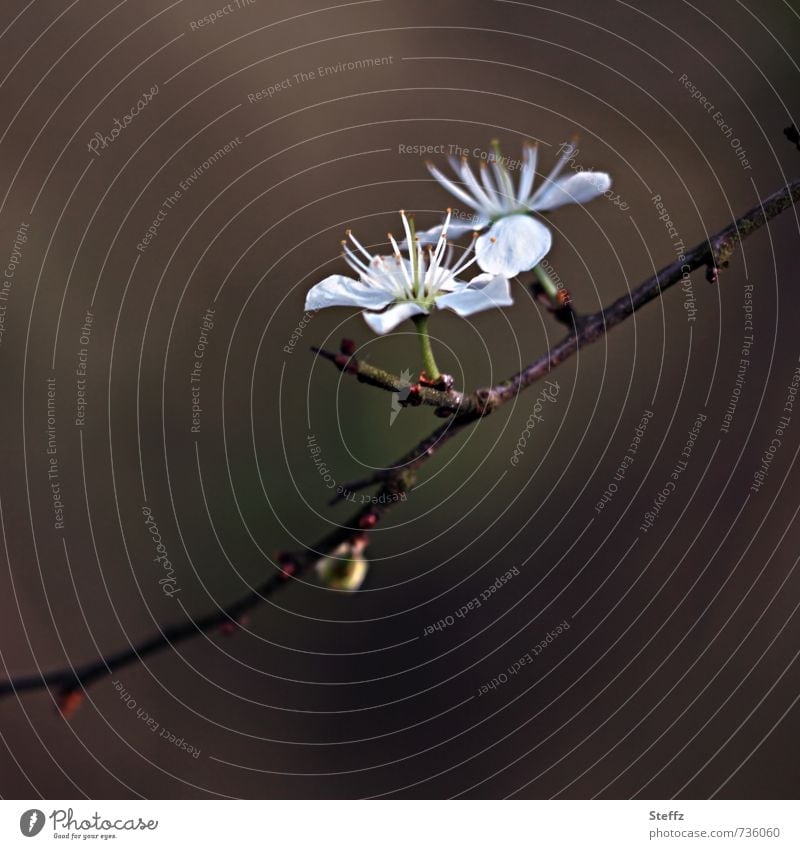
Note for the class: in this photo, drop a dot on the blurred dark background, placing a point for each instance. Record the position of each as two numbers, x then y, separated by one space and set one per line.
678 673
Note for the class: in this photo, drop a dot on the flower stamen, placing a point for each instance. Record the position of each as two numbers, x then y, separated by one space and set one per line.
349 234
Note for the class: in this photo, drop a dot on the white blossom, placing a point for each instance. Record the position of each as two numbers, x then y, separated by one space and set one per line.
393 288
514 240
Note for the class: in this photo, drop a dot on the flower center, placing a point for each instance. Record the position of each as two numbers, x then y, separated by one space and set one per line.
418 279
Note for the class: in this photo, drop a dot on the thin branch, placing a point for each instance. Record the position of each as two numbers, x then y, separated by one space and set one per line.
398 479
70 684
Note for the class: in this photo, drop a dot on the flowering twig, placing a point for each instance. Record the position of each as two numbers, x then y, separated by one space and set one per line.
713 254
398 479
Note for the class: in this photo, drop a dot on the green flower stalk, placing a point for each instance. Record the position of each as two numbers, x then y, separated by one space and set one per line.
428 362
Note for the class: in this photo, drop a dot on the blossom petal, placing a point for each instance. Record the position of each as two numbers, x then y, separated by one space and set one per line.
513 244
383 322
468 178
577 188
454 230
482 293
340 291
453 285
568 151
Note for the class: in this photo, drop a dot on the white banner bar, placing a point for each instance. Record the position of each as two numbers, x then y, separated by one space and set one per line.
400 824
